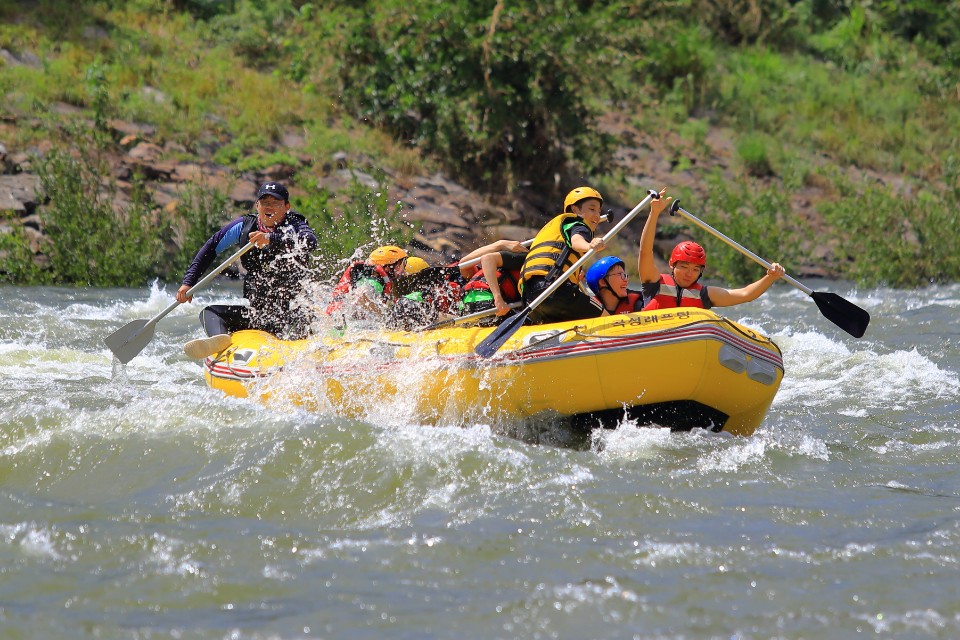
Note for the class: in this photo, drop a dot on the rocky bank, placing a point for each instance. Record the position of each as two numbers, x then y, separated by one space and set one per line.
449 219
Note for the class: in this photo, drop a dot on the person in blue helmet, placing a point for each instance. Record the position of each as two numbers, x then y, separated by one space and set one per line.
607 278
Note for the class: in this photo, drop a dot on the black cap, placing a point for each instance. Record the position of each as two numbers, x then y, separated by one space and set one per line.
274 189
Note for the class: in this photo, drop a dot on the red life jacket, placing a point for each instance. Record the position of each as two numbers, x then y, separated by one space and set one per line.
447 296
670 295
633 302
508 281
349 278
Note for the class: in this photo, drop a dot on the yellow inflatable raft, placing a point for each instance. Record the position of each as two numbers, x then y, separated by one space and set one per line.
678 368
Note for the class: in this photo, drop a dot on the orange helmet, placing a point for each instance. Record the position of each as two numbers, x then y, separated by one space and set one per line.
688 252
387 255
578 194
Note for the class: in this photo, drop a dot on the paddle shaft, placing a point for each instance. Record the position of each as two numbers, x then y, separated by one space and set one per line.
678 210
473 316
204 281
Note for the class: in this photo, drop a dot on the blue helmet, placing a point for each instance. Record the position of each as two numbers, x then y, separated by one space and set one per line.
599 270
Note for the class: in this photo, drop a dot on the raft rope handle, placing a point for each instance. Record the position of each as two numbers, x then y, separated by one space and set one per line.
222 358
575 329
436 345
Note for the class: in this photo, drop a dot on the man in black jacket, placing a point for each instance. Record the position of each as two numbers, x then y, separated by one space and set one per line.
275 271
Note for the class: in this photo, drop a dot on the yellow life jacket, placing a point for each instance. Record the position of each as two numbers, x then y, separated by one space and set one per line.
551 248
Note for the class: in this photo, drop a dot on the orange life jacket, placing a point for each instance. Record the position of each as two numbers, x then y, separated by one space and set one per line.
670 295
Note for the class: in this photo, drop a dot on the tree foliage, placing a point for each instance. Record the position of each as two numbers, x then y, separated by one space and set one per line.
500 92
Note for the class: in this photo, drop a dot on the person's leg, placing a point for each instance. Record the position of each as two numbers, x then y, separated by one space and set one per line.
219 321
568 302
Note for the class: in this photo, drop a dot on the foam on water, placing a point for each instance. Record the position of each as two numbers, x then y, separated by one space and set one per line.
823 369
231 517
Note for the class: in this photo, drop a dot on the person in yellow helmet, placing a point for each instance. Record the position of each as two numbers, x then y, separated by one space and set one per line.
413 306
370 280
415 265
558 245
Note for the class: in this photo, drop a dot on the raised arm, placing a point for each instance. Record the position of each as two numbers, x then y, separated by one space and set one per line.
728 297
645 262
499 245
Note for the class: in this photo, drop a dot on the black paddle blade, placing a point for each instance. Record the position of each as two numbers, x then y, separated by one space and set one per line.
842 313
492 343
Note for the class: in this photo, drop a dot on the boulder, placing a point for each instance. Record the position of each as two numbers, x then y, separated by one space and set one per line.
18 193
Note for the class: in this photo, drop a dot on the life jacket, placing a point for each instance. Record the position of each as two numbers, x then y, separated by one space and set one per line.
509 282
357 271
551 253
448 296
670 295
633 302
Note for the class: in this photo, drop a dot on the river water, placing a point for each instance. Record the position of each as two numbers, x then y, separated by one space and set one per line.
137 503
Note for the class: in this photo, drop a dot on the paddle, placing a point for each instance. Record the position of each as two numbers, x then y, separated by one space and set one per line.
837 310
492 343
473 316
130 339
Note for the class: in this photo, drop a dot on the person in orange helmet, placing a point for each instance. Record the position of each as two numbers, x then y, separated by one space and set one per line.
369 281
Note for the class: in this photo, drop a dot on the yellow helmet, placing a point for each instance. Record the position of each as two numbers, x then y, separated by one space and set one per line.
578 194
415 265
388 255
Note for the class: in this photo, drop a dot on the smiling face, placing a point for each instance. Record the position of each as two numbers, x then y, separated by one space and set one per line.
272 210
589 210
617 280
686 274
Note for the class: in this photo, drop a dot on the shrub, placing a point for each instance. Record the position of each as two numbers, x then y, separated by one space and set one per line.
91 244
17 265
200 213
499 97
896 239
758 218
753 155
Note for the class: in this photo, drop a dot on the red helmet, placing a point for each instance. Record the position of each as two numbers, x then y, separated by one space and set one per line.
688 252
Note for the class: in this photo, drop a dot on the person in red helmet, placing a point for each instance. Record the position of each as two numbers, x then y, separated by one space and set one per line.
681 287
